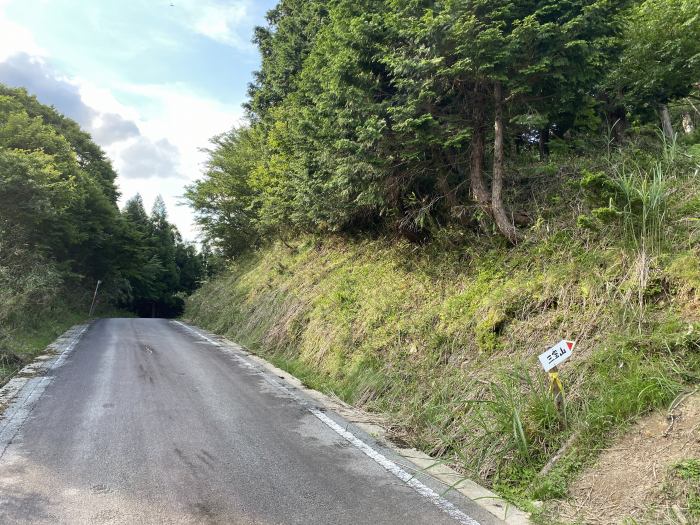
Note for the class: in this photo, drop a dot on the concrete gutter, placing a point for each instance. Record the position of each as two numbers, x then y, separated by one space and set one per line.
19 395
415 460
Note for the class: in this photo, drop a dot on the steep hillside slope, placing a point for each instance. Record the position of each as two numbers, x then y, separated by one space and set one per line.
446 341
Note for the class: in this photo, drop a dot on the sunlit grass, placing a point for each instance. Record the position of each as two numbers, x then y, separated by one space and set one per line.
444 340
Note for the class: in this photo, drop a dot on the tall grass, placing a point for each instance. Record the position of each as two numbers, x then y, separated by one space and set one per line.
645 207
671 149
644 195
447 350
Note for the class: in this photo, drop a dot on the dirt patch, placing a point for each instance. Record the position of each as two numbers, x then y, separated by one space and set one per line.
631 479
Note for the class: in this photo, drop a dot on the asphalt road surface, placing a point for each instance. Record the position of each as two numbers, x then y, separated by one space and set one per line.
148 422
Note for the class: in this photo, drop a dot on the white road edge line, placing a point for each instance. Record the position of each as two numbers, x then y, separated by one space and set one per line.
22 404
444 505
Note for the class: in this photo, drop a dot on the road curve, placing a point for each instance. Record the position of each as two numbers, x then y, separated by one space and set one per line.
147 422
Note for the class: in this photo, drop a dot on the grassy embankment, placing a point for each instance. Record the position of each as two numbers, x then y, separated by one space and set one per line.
35 308
444 338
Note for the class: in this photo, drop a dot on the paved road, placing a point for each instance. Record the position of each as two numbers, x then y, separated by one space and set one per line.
146 422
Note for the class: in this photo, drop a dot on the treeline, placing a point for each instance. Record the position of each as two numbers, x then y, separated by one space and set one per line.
162 268
411 116
61 229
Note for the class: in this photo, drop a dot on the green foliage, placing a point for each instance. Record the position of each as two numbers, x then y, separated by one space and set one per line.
688 469
661 57
486 331
514 424
284 44
600 188
376 115
370 115
685 485
447 348
223 200
44 311
61 229
631 196
644 208
159 268
380 117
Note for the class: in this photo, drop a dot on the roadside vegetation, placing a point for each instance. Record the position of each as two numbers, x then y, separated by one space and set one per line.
685 484
443 337
428 195
61 231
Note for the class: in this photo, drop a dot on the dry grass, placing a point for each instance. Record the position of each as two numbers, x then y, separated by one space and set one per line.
449 352
630 479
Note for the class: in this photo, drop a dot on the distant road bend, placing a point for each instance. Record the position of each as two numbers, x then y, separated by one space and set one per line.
149 421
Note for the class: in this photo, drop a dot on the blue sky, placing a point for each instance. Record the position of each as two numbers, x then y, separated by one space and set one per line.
151 80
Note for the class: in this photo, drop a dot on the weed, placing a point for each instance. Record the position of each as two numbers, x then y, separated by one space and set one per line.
444 343
644 203
688 469
684 485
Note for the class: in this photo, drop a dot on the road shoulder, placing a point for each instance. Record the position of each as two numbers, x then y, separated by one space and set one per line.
21 393
370 428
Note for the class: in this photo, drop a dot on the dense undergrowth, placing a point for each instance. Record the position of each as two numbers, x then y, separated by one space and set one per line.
443 337
36 306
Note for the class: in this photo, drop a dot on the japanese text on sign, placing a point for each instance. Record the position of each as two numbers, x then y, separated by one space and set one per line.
557 354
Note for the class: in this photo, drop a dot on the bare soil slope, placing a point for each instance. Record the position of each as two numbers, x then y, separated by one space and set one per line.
636 480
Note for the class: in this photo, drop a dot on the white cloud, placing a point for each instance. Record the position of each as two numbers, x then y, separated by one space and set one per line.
155 140
155 147
103 98
222 21
15 38
109 128
40 79
188 120
145 158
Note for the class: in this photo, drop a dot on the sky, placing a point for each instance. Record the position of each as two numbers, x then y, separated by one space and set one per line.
151 80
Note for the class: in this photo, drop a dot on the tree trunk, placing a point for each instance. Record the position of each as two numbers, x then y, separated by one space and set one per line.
688 125
448 193
619 124
666 124
478 184
544 143
504 224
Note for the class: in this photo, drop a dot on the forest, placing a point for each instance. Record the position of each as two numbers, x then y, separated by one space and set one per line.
418 117
61 230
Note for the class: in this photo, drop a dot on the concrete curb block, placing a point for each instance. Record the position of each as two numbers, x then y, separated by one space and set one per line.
373 426
19 395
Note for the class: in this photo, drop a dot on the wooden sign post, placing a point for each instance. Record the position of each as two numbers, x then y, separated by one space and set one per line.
94 298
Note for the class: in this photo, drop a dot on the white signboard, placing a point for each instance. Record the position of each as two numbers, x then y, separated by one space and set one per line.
557 354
